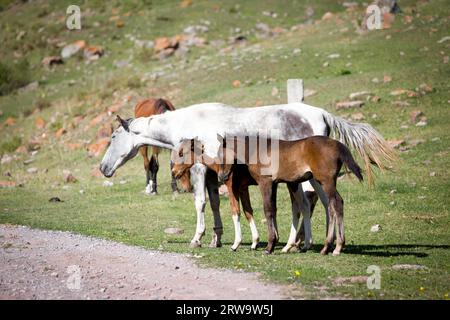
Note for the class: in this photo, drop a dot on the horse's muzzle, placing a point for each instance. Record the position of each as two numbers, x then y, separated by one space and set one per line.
107 172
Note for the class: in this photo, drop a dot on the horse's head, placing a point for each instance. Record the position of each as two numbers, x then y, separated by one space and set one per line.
189 152
123 147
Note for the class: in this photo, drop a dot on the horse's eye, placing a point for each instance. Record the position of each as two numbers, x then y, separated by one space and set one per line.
113 137
180 154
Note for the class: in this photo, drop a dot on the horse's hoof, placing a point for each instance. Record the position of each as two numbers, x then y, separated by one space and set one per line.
324 251
336 253
233 249
254 246
215 244
195 244
267 252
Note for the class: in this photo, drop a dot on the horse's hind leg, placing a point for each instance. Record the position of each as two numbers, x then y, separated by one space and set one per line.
333 208
173 183
339 209
269 194
143 151
248 210
154 167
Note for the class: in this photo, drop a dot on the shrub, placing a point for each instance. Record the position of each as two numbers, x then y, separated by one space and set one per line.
13 77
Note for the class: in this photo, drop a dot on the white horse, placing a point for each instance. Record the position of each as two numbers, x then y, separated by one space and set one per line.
204 121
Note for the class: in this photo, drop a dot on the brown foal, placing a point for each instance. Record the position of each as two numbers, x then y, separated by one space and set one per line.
319 158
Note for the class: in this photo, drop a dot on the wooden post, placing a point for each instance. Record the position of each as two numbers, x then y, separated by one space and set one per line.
295 90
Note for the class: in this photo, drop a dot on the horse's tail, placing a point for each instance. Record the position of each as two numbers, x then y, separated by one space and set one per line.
365 140
163 105
347 159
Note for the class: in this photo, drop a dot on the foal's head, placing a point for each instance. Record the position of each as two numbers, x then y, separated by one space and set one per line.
185 156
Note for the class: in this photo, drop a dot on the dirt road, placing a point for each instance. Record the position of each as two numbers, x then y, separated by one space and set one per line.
37 264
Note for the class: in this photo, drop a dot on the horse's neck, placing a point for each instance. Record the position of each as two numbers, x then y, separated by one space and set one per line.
150 132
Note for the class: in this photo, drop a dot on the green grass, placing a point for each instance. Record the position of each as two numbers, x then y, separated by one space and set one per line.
415 219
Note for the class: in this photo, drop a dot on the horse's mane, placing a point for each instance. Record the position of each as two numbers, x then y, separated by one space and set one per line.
162 105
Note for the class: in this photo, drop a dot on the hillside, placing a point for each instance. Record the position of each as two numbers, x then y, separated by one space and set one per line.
56 119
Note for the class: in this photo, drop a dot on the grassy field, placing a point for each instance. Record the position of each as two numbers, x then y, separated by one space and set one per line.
410 202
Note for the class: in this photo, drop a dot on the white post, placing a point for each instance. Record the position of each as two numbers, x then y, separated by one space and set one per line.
295 90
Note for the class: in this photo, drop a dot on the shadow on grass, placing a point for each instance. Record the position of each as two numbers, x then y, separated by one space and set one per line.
383 250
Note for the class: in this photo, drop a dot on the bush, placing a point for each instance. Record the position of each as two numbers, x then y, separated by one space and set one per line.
13 77
11 145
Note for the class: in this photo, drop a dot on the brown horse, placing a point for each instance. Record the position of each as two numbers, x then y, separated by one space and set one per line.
148 108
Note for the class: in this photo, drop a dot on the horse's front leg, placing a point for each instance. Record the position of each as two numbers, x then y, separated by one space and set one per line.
152 183
173 183
292 242
233 195
198 175
212 185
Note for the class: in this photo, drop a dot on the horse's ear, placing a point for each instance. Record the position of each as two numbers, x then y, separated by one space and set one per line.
123 123
221 140
193 143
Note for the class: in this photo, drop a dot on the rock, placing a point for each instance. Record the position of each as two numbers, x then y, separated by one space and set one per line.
396 143
93 53
358 116
401 103
412 94
107 183
349 104
375 99
327 16
399 92
409 267
416 115
7 184
55 199
421 123
442 40
432 174
52 60
6 159
30 87
339 281
296 51
21 149
162 43
425 88
164 54
325 64
236 83
375 228
96 173
40 123
120 24
359 95
173 231
105 131
334 56
69 177
145 44
387 78
72 49
32 170
60 132
186 3
195 29
10 121
375 80
263 29
98 148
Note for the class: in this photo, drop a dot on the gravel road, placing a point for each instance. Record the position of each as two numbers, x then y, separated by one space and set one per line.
37 264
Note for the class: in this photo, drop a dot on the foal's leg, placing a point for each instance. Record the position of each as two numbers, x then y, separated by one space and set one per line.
324 199
300 204
269 191
330 191
154 167
198 174
212 185
311 196
233 196
291 243
143 151
339 207
248 210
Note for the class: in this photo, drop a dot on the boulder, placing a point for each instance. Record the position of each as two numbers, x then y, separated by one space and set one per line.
72 49
349 104
52 60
